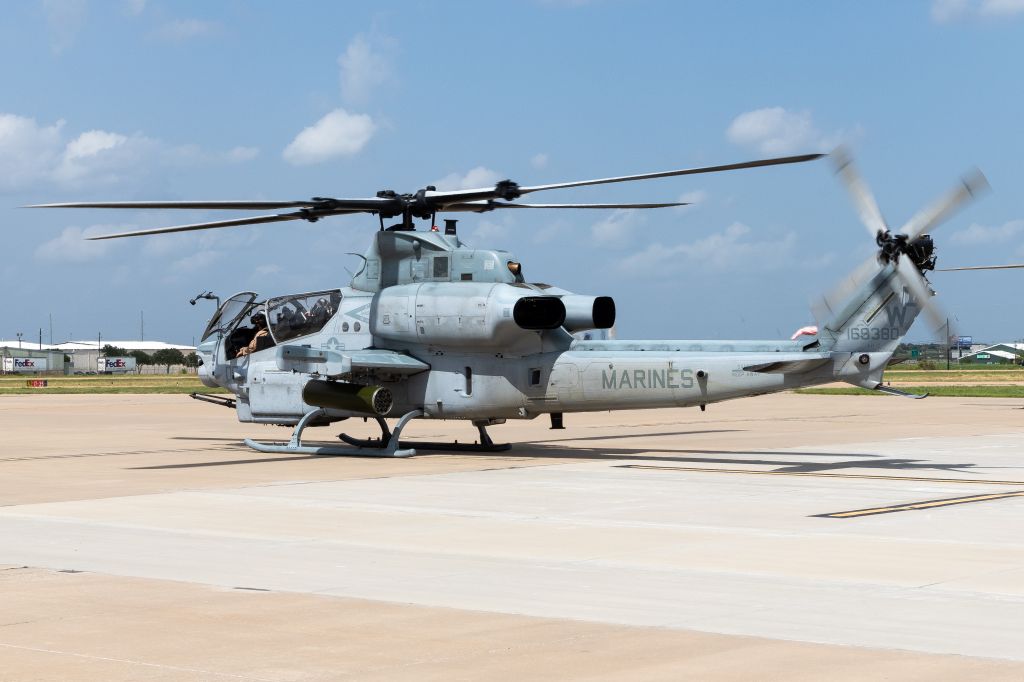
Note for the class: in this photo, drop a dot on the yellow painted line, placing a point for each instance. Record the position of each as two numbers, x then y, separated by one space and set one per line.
821 474
928 504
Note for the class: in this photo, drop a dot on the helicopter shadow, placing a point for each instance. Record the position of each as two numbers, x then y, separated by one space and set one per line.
703 456
643 435
775 461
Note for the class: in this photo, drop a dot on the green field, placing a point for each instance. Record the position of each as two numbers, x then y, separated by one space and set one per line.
940 391
1015 374
132 383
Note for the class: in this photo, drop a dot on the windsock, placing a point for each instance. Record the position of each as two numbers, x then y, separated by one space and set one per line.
804 331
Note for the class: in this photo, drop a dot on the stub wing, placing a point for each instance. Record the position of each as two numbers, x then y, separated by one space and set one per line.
385 361
332 363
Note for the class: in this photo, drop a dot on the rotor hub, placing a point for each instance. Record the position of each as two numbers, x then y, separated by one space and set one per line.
920 251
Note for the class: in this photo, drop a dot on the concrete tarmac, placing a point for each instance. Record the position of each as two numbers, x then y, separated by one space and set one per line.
783 537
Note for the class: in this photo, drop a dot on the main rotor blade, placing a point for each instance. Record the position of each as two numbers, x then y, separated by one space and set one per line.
492 192
982 267
970 185
482 206
281 217
368 204
236 205
863 200
672 173
938 320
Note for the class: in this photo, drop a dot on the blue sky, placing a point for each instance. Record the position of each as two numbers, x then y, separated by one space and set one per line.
143 99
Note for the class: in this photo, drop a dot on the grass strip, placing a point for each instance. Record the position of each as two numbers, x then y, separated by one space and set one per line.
130 384
937 391
954 376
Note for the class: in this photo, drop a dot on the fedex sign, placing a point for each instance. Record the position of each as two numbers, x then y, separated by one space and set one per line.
25 364
115 364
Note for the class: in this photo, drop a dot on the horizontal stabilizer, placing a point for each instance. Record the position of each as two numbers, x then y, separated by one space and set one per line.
799 366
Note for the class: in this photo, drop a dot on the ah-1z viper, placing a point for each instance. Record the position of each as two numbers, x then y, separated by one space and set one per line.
432 328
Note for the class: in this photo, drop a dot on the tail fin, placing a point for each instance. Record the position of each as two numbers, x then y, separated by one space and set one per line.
863 334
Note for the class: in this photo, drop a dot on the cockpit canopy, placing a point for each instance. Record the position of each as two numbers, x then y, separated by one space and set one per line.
289 317
301 314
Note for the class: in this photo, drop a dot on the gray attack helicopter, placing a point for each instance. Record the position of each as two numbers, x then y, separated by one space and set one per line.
432 328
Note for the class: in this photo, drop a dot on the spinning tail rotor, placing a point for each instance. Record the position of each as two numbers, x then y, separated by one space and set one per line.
910 251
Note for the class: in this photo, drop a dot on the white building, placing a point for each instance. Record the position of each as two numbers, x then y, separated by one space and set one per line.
83 355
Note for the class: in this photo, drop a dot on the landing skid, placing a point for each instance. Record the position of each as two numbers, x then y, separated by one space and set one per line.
485 444
392 447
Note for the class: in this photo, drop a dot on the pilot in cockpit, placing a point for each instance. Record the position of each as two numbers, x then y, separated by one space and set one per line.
320 312
261 339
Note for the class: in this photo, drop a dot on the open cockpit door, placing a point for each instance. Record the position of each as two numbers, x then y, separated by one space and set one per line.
229 313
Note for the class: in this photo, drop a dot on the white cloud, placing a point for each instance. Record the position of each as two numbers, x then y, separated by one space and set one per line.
476 177
196 261
617 227
947 11
542 234
31 154
693 197
269 269
365 66
775 130
241 154
539 161
983 234
487 232
91 143
724 250
180 30
101 157
165 246
72 245
135 7
64 20
175 248
193 154
1001 8
28 151
337 134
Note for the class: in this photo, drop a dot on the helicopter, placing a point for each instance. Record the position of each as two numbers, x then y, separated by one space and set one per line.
432 328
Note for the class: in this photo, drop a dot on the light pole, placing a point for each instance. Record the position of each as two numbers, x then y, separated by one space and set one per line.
19 339
948 339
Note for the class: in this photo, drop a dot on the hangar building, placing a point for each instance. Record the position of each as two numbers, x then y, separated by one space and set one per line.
998 354
82 356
